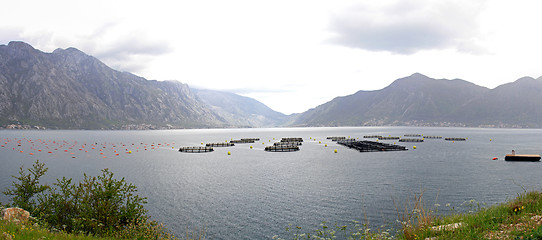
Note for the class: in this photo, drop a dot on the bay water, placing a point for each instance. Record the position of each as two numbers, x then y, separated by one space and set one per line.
253 194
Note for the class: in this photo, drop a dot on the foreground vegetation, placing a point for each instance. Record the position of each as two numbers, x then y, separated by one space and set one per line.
520 218
97 206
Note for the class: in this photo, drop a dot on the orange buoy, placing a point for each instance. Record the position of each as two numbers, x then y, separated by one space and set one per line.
495 159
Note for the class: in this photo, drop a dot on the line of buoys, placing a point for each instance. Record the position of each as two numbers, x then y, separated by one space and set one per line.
51 146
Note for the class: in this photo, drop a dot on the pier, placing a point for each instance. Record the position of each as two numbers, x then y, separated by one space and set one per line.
370 146
433 137
196 149
334 139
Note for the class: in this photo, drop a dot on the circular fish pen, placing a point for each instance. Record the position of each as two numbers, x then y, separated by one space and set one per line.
196 149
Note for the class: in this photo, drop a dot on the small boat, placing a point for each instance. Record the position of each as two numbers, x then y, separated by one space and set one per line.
522 157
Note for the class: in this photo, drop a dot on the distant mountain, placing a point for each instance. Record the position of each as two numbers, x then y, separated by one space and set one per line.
69 89
422 101
239 110
516 104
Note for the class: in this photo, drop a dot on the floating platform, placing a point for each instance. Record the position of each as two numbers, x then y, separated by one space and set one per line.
413 135
433 137
250 139
289 148
372 136
242 141
196 149
287 144
522 157
220 144
388 138
334 139
411 140
455 139
370 146
291 140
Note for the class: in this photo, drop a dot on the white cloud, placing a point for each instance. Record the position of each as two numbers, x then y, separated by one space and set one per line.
406 27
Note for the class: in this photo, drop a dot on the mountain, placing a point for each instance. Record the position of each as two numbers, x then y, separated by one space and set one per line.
517 104
69 89
422 101
239 110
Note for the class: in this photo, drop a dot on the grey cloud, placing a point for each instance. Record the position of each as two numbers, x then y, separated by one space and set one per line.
406 27
130 46
129 52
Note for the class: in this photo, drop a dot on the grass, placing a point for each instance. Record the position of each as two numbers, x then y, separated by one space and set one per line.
520 218
12 231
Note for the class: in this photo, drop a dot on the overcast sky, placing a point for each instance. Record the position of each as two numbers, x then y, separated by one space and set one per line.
291 55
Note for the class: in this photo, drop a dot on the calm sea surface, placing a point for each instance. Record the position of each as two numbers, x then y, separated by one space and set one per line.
253 194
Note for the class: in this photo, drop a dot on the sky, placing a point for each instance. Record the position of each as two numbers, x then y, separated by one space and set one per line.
291 55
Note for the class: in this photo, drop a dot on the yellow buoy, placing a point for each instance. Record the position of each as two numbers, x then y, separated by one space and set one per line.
325 145
490 140
414 147
129 151
263 143
250 147
201 143
335 150
319 142
229 153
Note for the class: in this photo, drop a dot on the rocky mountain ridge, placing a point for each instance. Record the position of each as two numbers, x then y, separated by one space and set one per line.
69 89
418 100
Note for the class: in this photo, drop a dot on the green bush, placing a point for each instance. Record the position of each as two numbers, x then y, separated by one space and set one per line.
27 187
99 205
